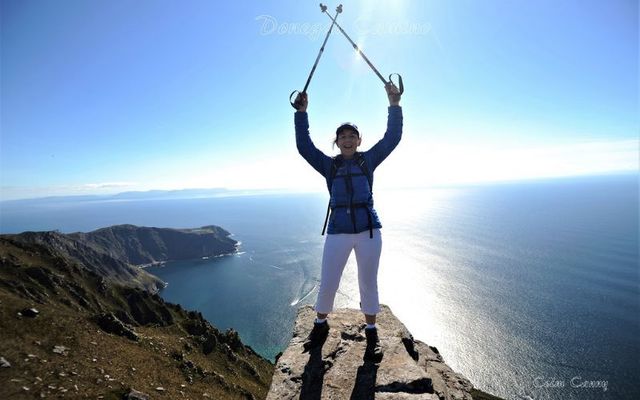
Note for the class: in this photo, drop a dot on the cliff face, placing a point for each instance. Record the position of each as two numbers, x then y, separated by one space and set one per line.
409 369
76 322
142 245
114 252
95 259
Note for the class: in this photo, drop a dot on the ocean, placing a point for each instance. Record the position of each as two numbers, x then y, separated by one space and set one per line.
530 289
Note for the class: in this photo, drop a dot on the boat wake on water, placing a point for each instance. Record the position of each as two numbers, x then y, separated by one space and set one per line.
296 301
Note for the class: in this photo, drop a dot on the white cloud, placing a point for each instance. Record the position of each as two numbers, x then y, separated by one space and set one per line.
278 171
419 162
416 162
106 185
425 163
25 192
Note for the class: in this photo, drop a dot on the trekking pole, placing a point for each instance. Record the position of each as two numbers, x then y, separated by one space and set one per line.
313 69
355 46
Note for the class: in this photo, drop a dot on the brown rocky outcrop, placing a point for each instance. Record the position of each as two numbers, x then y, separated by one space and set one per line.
410 369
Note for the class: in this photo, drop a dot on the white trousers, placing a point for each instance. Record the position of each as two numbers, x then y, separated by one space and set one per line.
337 248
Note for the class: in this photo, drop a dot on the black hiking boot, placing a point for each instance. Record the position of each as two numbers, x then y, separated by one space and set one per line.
373 351
317 336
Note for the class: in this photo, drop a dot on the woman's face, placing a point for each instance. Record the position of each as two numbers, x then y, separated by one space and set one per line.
348 142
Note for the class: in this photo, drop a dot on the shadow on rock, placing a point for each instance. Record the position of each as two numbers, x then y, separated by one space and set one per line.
313 375
365 386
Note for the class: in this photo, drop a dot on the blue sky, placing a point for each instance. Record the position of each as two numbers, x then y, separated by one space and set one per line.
111 96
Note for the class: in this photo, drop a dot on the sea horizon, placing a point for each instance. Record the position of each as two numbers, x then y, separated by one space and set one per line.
204 192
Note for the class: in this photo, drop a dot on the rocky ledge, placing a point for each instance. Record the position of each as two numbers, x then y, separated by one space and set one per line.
410 369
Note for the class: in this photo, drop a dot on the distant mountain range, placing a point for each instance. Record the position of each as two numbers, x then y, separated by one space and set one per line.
135 195
150 195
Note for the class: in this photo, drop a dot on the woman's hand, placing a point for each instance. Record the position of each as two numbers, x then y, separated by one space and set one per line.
392 93
301 102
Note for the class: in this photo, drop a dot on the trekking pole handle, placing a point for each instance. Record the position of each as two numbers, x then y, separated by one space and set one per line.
400 85
295 103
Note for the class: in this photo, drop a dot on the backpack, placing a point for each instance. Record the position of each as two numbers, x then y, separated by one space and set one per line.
336 163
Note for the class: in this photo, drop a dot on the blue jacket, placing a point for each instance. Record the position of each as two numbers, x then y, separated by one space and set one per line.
351 197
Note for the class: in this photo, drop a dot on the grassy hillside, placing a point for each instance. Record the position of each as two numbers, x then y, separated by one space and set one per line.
94 337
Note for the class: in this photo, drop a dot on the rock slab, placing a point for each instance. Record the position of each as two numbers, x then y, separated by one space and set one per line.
409 370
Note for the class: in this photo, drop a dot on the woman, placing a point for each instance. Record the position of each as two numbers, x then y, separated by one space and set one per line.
354 224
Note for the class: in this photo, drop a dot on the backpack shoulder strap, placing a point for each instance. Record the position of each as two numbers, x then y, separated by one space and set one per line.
362 163
336 162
